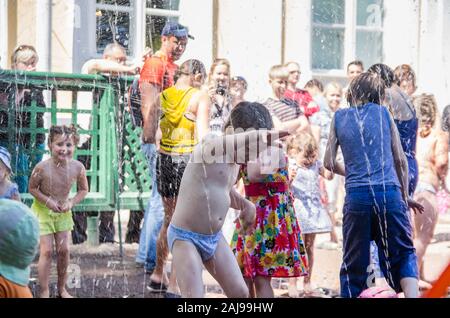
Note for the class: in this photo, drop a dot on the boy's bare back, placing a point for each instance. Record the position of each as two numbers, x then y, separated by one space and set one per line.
55 180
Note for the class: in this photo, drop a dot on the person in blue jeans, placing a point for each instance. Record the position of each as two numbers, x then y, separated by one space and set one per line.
153 217
376 183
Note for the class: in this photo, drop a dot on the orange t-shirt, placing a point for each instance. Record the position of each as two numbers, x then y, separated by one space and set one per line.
9 289
158 70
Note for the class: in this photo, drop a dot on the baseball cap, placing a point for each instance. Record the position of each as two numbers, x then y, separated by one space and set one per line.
19 239
5 157
176 29
239 79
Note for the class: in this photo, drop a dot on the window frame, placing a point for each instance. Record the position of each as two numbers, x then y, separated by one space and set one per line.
138 12
350 31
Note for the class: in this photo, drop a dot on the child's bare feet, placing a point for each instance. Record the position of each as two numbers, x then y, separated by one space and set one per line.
64 294
45 293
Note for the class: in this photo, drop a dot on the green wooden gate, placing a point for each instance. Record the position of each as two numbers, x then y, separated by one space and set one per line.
118 173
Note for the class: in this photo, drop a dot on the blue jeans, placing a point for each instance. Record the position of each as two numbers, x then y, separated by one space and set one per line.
377 214
153 217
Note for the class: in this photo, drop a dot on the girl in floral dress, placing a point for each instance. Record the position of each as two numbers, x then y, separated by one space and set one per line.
275 247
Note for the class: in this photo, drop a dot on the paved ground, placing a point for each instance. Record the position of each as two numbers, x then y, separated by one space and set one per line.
100 272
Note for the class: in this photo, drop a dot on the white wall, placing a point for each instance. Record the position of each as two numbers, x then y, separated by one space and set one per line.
400 37
432 73
197 16
298 37
249 36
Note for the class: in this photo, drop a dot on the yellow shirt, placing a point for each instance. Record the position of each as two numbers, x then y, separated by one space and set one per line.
178 131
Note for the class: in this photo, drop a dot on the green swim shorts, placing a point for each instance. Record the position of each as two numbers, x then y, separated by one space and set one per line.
51 222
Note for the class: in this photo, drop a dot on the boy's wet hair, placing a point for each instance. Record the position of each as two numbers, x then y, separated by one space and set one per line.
385 72
247 115
70 131
279 71
426 108
314 83
357 63
191 67
405 72
366 88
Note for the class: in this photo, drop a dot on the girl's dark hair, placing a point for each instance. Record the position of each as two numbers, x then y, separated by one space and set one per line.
248 115
446 118
385 72
366 88
70 131
190 67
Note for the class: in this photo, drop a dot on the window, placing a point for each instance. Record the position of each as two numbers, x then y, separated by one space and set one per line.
132 23
345 30
113 23
156 15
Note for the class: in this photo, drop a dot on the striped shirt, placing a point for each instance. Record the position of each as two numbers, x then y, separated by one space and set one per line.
284 109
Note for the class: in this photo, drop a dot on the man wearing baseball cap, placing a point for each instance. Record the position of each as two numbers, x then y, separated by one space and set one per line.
157 74
19 240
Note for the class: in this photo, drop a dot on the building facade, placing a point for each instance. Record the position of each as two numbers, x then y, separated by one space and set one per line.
322 35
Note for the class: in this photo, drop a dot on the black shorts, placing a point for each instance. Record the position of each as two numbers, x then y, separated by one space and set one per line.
169 171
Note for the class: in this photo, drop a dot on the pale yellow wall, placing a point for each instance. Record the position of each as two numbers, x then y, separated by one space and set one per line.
62 36
26 22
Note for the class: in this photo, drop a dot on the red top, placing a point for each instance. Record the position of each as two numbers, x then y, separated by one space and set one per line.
302 98
158 70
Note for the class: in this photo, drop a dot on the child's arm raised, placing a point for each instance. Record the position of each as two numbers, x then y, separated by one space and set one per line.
202 120
329 161
34 189
247 208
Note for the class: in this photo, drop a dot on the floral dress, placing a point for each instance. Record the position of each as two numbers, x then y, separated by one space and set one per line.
275 247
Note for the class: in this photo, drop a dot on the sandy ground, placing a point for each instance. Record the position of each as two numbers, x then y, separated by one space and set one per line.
101 272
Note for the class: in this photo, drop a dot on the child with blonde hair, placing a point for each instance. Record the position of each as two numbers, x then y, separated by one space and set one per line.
305 169
50 185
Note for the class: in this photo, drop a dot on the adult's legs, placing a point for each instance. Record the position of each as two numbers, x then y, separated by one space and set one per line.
153 216
393 235
63 257
332 187
162 250
356 248
106 227
44 264
224 268
133 227
425 224
79 229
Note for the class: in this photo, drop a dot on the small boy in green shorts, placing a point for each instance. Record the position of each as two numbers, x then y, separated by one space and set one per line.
50 185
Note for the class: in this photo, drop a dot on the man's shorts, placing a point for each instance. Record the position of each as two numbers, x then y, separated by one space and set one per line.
52 222
169 171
